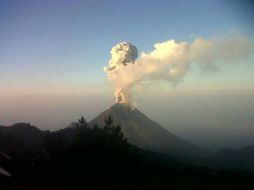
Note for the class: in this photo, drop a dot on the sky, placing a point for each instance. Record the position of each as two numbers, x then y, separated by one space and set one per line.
52 54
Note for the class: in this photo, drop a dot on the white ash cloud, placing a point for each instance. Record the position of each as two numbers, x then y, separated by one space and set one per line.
171 61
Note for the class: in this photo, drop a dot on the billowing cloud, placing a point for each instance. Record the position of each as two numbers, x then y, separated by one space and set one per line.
171 61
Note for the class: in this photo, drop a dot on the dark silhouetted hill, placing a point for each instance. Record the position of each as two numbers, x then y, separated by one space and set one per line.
242 158
21 139
81 157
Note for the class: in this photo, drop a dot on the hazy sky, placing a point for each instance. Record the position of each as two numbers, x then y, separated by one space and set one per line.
52 53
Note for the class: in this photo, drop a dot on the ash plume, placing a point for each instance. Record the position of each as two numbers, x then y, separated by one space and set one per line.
123 54
171 61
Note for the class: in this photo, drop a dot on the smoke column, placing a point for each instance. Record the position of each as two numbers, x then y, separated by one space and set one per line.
171 61
122 54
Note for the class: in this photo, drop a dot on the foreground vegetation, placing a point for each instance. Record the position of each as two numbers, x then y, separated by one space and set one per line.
79 157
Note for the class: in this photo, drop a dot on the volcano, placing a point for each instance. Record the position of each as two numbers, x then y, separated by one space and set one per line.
144 132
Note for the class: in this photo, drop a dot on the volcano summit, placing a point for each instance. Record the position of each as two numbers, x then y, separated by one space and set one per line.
145 133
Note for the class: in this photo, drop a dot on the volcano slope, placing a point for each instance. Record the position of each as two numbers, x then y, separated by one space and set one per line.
145 133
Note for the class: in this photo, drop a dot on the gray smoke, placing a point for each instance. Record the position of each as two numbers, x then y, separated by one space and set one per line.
171 61
122 54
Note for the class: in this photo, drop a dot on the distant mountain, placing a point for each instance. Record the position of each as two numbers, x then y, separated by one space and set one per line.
145 133
242 158
20 138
